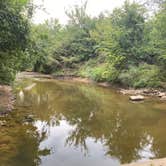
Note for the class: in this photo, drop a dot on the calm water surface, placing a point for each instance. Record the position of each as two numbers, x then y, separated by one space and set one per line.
59 123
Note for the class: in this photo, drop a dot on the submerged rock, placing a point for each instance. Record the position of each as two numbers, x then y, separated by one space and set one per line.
137 98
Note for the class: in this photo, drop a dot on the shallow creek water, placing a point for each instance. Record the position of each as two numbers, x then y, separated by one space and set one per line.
60 123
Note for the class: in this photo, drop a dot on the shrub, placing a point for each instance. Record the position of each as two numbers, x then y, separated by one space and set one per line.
141 76
103 72
8 67
97 73
7 75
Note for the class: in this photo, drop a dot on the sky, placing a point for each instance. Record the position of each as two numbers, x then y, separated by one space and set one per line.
56 8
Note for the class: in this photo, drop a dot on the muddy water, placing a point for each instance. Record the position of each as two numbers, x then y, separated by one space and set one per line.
57 123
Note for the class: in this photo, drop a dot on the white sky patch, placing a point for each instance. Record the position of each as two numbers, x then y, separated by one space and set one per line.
56 8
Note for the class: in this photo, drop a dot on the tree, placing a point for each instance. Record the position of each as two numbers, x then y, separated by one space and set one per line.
129 20
13 37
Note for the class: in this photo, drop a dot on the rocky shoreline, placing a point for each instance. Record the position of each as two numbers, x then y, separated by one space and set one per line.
135 93
159 93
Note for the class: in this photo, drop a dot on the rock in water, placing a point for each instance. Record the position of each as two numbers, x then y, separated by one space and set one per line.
163 98
137 98
161 94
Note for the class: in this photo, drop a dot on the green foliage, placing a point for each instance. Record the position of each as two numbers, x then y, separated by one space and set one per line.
7 73
123 46
45 40
129 22
162 61
104 73
14 28
108 48
102 69
141 76
14 39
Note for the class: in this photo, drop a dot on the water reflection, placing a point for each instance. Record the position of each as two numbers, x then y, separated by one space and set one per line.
86 125
19 143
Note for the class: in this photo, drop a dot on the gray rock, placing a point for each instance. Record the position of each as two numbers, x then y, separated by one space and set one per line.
137 98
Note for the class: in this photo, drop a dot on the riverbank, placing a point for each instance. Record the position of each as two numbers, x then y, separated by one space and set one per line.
6 99
147 92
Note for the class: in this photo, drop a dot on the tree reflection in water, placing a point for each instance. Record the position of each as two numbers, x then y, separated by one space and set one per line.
19 142
128 131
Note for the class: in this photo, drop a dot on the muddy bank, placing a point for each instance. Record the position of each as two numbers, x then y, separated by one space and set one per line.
6 99
155 162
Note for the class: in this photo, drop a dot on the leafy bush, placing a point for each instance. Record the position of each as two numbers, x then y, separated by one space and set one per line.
14 38
141 76
7 75
103 72
10 66
103 68
97 73
162 61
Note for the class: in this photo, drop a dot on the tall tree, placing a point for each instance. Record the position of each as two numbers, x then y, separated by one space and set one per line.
13 36
130 21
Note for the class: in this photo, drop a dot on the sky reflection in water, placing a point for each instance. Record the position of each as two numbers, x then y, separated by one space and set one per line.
77 124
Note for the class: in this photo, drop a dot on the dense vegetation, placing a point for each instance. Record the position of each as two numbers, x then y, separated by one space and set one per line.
127 46
14 37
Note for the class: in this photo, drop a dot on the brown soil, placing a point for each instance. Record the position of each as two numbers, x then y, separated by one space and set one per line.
6 99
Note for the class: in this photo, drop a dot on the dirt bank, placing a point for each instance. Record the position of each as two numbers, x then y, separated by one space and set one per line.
6 99
155 162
